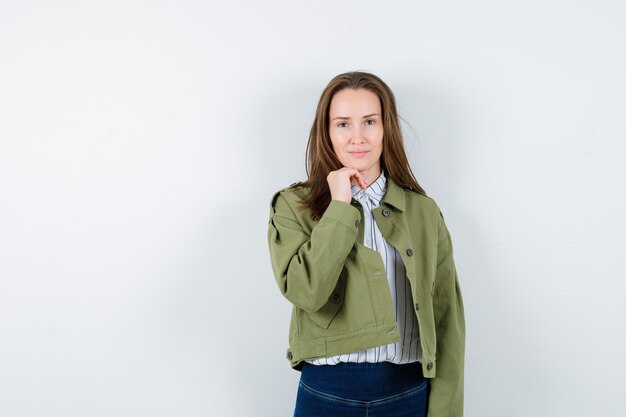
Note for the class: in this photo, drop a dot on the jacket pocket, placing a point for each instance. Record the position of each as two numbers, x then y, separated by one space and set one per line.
325 315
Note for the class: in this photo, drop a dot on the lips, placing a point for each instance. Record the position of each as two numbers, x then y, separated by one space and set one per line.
358 153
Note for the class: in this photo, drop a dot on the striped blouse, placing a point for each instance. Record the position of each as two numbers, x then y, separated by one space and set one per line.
408 349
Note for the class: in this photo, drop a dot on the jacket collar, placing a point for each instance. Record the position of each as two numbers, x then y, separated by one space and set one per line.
394 195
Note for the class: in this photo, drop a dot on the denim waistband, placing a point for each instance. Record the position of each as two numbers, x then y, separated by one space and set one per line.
362 381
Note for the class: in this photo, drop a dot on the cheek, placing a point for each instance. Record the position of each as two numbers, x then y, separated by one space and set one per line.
336 144
337 139
379 144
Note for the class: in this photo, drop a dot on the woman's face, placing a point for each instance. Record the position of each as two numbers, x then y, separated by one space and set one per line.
356 130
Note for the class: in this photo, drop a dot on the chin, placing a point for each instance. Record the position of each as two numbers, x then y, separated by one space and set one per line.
359 164
355 163
363 167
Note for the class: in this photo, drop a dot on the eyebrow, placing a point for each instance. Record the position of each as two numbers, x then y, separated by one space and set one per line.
366 116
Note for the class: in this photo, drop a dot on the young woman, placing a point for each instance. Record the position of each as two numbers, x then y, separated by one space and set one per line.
365 257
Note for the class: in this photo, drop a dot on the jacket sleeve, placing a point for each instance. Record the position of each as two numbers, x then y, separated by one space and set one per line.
446 388
307 266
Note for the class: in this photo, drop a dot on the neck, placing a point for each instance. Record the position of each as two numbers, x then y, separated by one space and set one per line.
370 176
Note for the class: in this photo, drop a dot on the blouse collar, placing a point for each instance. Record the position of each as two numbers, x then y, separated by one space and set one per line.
374 192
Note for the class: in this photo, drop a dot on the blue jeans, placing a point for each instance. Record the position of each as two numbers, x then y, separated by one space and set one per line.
381 389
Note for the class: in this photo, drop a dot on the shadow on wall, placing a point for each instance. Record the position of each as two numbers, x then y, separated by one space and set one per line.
248 318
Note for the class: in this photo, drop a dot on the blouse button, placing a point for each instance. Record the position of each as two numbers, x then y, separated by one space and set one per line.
386 212
409 252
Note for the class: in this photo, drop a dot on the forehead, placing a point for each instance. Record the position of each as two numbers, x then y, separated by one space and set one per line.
349 102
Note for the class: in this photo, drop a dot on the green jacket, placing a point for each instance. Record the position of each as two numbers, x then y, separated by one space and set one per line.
339 291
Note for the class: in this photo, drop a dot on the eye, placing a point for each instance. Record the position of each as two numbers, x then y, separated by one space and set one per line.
341 124
370 120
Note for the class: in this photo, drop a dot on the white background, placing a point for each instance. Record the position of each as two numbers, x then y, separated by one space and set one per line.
141 141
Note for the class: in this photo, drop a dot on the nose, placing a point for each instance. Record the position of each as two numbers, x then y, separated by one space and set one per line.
357 135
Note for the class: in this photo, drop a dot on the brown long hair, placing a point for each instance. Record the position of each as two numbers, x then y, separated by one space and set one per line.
321 158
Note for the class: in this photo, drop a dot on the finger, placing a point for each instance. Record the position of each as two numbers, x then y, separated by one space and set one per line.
361 179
